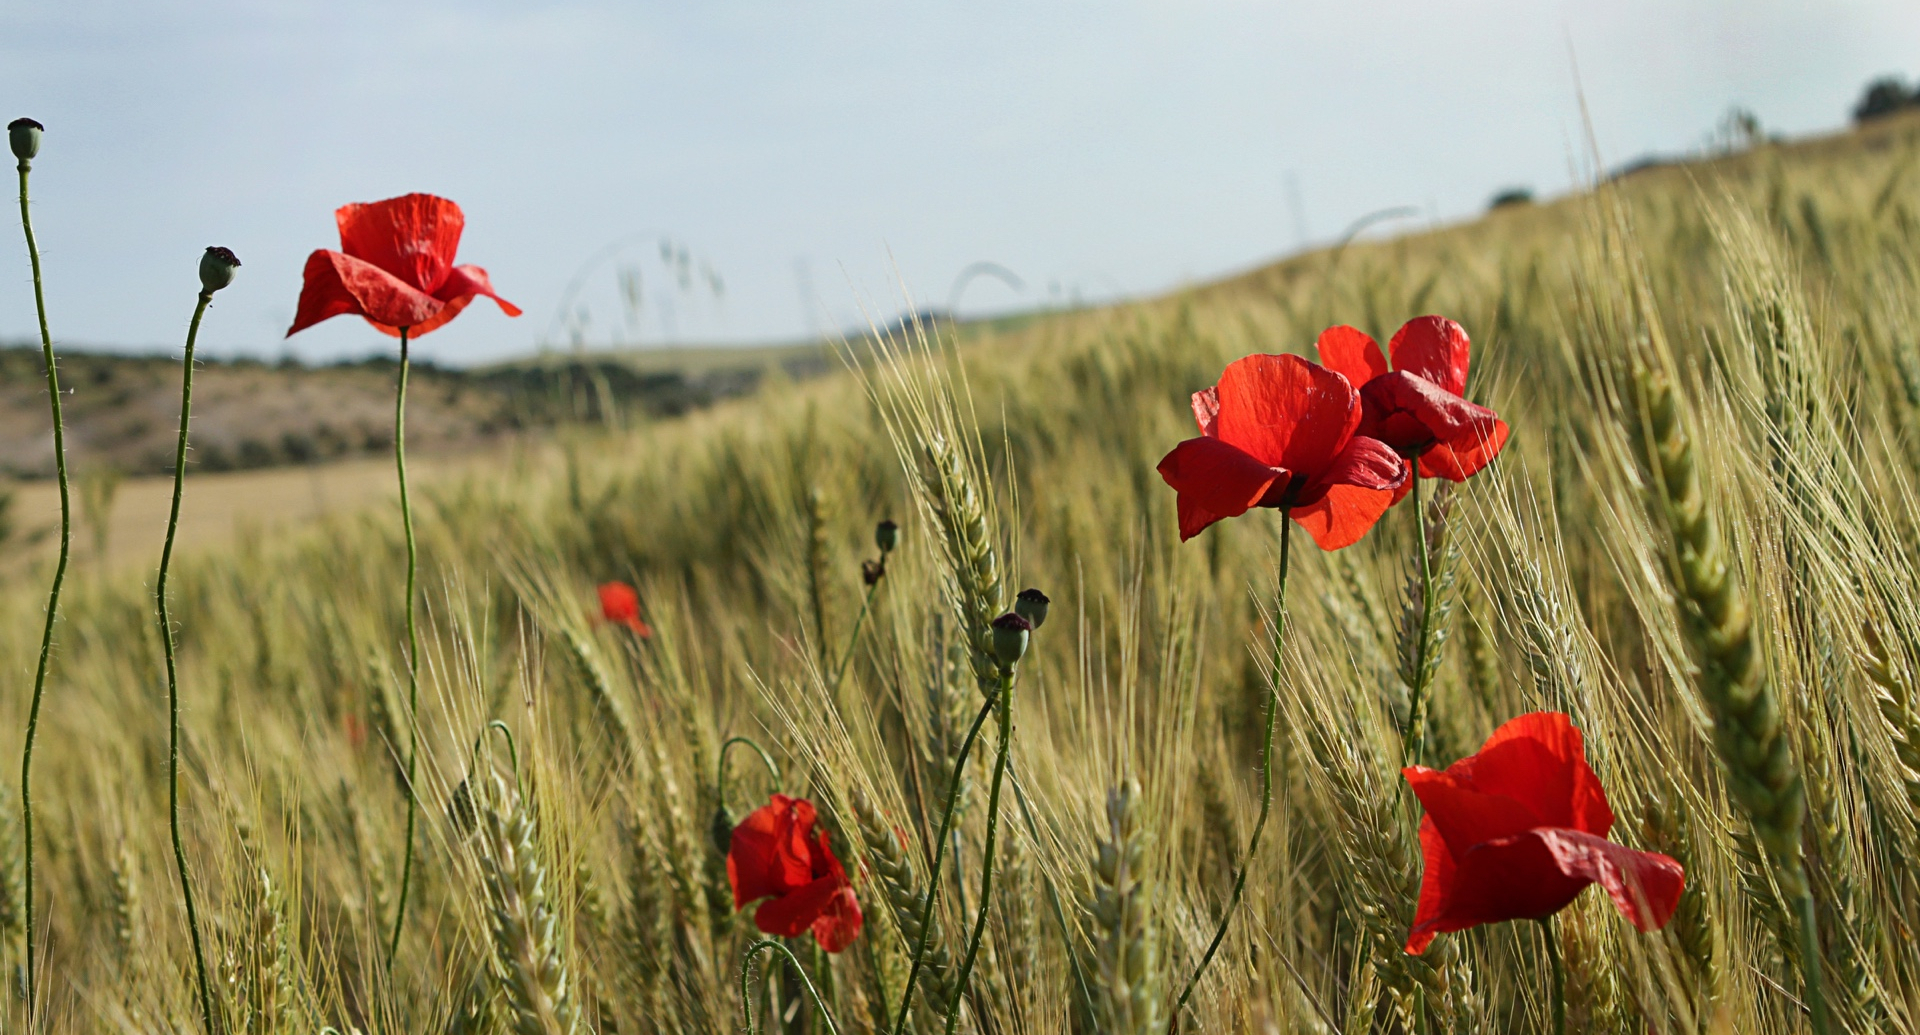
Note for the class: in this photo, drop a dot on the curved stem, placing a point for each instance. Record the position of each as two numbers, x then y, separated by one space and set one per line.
939 853
986 862
1559 977
413 650
173 677
513 750
746 984
59 577
1266 778
1413 738
854 640
720 782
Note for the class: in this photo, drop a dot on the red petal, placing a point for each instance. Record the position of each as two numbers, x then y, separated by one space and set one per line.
1194 518
794 912
619 601
1464 817
1457 461
768 853
1206 407
1436 881
1351 353
413 237
1286 412
839 923
1644 886
1343 516
322 294
460 287
1220 478
1435 348
335 284
1540 761
1515 878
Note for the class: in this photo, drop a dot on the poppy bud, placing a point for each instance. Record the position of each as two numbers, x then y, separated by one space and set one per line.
24 135
886 536
1010 633
216 269
1031 605
721 829
872 571
461 811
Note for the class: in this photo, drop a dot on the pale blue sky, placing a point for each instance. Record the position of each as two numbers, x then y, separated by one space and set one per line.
817 154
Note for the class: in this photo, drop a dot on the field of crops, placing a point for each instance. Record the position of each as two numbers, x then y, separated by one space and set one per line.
1698 545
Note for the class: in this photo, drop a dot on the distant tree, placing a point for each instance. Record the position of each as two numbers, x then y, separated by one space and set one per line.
1884 96
1511 196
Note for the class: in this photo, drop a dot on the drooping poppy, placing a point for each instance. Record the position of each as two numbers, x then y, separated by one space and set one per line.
1278 431
620 604
394 267
1518 830
1417 407
777 855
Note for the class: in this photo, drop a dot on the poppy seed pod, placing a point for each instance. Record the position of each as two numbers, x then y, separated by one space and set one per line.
1010 632
886 536
24 136
216 268
1031 605
721 829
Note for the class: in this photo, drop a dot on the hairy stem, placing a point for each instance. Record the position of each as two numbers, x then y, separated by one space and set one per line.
1266 779
746 984
53 594
1559 990
987 860
173 677
1413 738
853 640
413 652
720 781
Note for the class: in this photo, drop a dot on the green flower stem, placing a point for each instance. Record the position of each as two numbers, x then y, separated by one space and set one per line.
939 852
1413 738
173 676
854 640
1266 777
413 651
746 984
720 781
986 862
1559 977
59 577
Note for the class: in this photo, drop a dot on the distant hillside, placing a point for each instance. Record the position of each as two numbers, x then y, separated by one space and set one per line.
122 411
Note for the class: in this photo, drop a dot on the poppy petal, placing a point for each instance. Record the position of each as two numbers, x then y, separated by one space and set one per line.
1435 348
334 284
1540 761
1644 886
1286 412
1206 407
839 924
791 914
1343 516
1194 518
1459 460
468 281
1464 817
1436 879
1221 478
413 237
768 852
1352 353
1514 878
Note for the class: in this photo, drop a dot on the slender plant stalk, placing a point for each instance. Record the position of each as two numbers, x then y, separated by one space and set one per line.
986 863
933 880
173 676
1413 739
1266 779
746 984
854 640
53 594
720 781
1559 977
413 651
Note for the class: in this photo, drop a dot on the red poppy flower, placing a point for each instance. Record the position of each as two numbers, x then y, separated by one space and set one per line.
1518 830
394 267
1417 408
777 855
1278 431
620 604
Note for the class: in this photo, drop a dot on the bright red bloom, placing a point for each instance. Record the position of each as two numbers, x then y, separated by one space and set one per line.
1417 408
777 855
1278 431
620 604
1518 830
394 267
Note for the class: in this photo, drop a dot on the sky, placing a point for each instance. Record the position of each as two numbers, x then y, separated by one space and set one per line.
636 172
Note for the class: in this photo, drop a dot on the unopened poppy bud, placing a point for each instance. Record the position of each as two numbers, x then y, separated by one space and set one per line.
721 829
24 136
1010 632
886 536
872 571
1031 605
216 268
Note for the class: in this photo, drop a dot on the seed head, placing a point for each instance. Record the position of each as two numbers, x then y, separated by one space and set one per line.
1010 632
216 268
1031 605
886 536
24 135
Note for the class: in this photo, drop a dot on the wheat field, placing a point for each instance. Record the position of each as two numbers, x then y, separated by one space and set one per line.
1712 373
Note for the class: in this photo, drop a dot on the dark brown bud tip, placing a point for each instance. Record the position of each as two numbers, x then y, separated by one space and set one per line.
216 268
1010 633
1031 605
